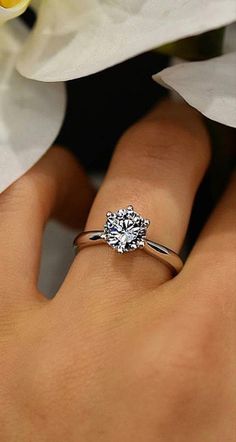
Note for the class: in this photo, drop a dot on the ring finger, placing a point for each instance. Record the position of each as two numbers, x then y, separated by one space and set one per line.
157 167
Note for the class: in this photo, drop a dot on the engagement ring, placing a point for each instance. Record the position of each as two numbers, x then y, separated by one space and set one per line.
126 231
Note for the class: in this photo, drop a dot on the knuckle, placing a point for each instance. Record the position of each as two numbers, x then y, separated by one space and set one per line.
166 142
188 359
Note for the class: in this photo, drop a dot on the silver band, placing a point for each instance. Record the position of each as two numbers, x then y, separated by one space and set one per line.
165 255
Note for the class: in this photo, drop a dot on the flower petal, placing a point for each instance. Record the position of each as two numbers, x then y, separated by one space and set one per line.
10 13
209 86
75 38
230 39
31 112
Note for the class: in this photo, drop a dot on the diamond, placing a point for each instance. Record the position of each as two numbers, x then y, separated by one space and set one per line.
125 230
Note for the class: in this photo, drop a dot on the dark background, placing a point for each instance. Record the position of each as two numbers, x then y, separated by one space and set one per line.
103 105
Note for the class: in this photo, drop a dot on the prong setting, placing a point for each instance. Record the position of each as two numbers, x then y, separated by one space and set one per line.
125 230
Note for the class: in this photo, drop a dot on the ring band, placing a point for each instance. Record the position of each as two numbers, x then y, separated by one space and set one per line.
125 231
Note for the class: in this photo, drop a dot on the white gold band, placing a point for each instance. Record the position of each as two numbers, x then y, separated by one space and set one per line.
164 254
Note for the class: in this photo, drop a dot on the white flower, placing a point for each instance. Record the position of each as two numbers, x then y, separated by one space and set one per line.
74 38
104 32
86 36
209 86
31 112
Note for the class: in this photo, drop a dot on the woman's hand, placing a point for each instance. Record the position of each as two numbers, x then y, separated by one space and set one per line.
123 353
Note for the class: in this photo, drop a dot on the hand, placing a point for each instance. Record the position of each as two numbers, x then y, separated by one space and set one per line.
123 353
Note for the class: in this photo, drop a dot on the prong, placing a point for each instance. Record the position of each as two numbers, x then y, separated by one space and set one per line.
147 222
109 214
130 208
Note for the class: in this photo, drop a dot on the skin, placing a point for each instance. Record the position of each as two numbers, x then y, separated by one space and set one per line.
123 352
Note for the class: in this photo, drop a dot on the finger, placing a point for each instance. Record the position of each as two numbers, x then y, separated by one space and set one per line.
157 168
213 259
56 185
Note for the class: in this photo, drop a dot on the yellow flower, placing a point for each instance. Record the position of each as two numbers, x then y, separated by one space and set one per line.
10 9
9 3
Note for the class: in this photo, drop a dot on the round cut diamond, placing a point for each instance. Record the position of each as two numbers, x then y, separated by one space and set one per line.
125 230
